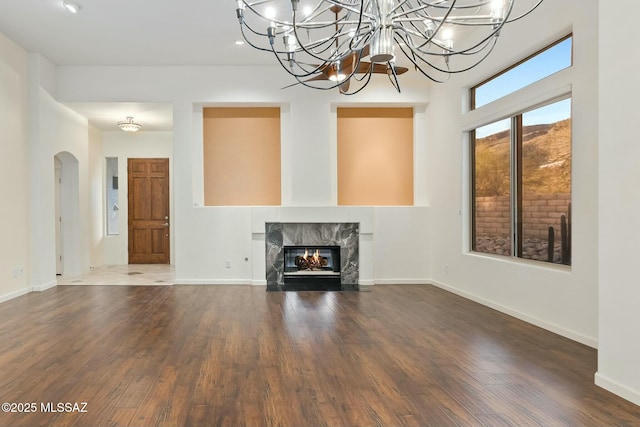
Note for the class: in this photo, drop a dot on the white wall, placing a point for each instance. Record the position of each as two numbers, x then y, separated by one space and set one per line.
14 171
124 146
56 130
206 237
558 298
37 128
619 204
97 200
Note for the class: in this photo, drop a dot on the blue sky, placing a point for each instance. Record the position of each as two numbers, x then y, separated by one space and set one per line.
544 64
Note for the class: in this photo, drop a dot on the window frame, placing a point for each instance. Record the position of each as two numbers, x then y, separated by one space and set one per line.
473 89
515 181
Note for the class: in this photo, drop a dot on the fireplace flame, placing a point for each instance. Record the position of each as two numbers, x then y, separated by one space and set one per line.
311 261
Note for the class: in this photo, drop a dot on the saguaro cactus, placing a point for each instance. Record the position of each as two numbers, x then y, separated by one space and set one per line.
565 237
551 244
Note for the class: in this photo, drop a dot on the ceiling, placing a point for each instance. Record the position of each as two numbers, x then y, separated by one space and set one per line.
129 32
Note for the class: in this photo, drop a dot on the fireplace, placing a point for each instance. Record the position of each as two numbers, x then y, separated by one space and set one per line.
331 261
312 268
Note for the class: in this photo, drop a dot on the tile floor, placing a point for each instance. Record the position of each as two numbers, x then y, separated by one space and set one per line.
128 275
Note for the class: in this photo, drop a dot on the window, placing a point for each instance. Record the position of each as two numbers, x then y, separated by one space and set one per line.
544 63
521 189
113 210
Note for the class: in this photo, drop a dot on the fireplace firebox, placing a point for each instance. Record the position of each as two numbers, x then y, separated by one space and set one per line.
312 268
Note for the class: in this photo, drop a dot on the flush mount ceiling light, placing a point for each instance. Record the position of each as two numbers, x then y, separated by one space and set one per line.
71 7
129 125
438 37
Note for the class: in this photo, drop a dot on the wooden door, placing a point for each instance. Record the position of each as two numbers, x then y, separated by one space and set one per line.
148 211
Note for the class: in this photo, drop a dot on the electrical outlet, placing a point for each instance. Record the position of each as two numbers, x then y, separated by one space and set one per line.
446 268
227 264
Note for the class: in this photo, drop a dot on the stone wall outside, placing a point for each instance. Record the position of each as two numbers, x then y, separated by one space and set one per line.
493 215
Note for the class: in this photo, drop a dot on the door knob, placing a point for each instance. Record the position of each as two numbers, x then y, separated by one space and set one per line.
166 224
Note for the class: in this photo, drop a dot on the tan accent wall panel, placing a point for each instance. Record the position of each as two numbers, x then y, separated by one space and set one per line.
375 156
241 156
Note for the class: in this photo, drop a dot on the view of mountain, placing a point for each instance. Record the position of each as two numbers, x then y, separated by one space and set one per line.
546 160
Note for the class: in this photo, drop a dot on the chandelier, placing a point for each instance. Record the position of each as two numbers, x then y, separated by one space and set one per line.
129 125
327 44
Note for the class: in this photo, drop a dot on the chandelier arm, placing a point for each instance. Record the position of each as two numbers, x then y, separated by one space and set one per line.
468 51
352 75
363 85
302 46
488 52
456 71
336 35
290 70
317 69
416 60
437 30
337 84
437 5
419 68
244 24
244 36
304 83
407 12
456 20
349 7
360 14
394 81
400 5
417 33
317 44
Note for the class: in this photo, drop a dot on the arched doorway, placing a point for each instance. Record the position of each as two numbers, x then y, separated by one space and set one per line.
67 211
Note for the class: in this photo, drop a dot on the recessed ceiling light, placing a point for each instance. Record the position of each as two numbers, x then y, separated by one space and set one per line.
239 42
71 7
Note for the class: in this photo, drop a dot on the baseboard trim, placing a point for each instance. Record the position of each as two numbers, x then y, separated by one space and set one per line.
588 341
45 286
401 282
212 282
259 283
366 282
617 388
14 294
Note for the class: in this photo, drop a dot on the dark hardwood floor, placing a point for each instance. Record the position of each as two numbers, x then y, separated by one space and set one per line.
240 356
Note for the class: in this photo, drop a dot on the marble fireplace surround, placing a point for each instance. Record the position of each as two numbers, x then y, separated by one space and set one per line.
281 234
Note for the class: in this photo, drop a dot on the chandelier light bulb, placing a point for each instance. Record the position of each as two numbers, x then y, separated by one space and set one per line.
270 13
308 10
71 7
447 39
